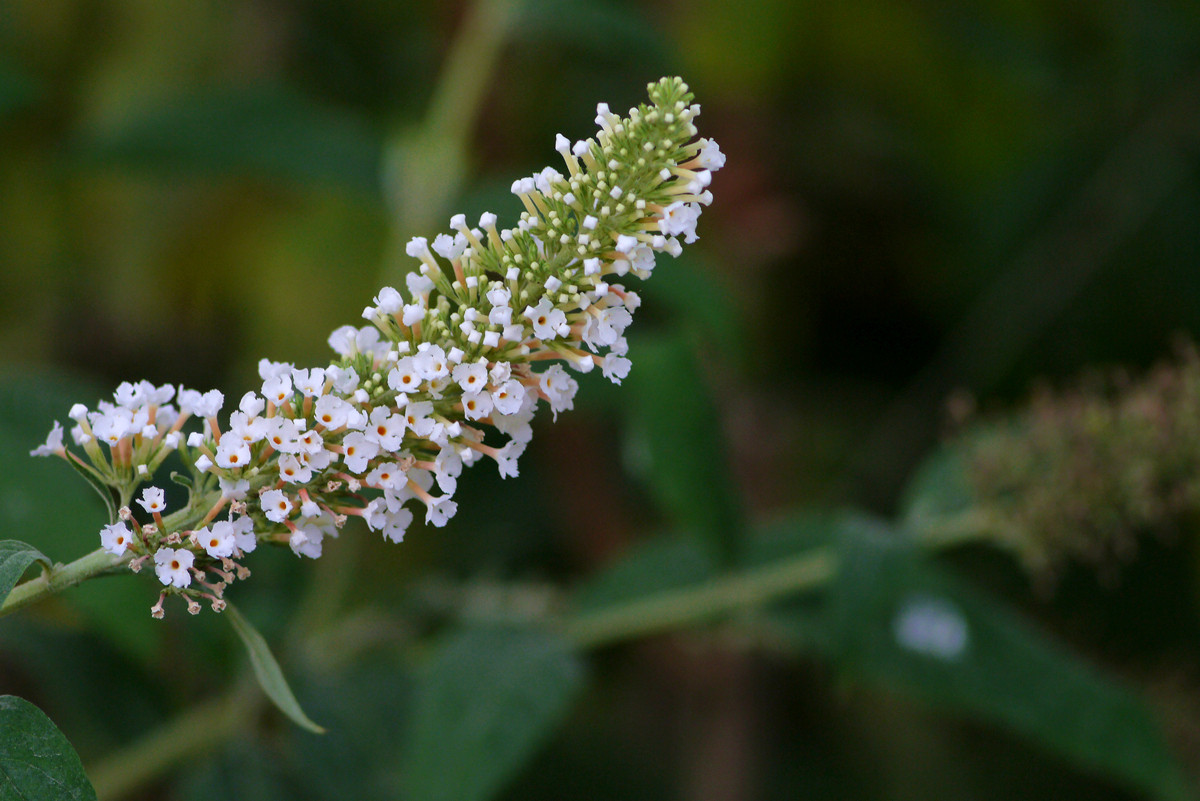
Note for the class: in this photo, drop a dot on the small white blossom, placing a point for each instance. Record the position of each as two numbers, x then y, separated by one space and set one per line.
172 566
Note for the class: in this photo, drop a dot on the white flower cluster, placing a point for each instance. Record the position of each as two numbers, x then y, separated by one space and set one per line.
443 377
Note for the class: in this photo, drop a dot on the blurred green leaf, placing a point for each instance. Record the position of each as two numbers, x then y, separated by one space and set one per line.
903 623
696 298
263 130
15 559
268 672
245 769
37 763
17 89
937 490
590 23
684 465
484 703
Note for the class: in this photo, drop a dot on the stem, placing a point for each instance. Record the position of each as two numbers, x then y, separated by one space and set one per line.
426 166
202 728
676 608
60 577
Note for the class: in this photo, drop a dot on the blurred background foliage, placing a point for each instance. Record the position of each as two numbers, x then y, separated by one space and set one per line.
923 201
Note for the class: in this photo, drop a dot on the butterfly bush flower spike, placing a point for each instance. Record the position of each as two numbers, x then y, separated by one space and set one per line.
449 371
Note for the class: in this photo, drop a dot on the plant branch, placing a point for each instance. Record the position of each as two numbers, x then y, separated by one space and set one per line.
201 728
677 608
60 577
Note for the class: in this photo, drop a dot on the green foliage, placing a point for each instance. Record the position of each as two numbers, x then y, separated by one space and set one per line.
679 436
271 131
484 702
15 559
267 671
36 761
903 623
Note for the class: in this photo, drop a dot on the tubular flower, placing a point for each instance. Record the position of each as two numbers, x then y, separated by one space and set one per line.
442 377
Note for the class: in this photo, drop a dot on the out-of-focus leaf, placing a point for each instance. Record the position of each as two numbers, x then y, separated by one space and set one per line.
37 763
589 23
685 466
802 623
268 672
484 703
261 130
359 757
697 300
17 89
905 624
245 769
15 559
44 502
937 490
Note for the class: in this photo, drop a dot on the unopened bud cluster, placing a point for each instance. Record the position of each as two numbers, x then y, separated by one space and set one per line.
444 376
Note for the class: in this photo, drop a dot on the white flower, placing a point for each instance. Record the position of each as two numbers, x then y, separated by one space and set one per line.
357 451
439 512
559 388
387 476
710 156
306 541
218 542
171 566
680 218
53 444
232 453
449 247
275 505
508 397
389 301
416 416
234 490
116 538
397 523
615 368
431 363
386 429
404 377
278 388
293 470
548 322
310 382
243 534
152 500
476 405
472 377
332 412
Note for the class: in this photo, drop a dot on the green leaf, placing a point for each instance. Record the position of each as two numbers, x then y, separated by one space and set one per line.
15 559
903 623
17 90
484 703
267 671
684 464
37 763
260 130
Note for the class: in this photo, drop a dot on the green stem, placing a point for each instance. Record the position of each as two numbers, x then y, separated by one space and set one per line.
60 577
677 608
427 165
202 728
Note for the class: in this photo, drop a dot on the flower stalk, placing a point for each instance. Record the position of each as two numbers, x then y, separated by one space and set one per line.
448 373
